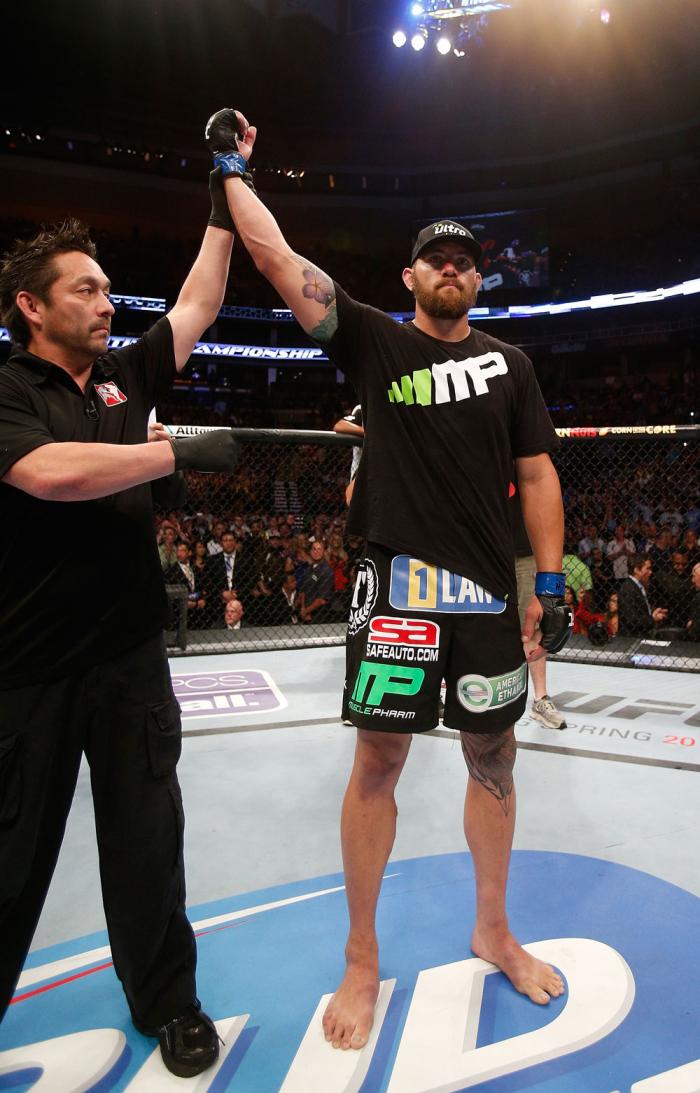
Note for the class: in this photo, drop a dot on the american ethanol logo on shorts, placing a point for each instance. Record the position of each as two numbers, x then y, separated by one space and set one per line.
417 586
446 1020
447 381
479 693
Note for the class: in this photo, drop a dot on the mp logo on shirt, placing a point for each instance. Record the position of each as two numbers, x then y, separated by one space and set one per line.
110 394
417 586
448 381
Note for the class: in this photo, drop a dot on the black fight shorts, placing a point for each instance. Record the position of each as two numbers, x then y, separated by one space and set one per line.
413 624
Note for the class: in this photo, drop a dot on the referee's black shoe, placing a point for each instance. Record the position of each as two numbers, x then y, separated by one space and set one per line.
189 1043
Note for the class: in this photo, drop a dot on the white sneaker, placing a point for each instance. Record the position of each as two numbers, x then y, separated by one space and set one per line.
544 711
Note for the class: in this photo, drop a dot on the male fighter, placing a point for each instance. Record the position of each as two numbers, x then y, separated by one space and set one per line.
82 657
447 411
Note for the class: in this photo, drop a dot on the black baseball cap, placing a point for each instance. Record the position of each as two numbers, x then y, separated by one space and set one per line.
446 229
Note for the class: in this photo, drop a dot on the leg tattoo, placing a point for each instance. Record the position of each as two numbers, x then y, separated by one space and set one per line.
490 759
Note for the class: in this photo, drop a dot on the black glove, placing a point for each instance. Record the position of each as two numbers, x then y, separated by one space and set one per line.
556 623
221 131
214 451
221 135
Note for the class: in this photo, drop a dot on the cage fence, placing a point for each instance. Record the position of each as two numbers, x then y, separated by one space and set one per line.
285 578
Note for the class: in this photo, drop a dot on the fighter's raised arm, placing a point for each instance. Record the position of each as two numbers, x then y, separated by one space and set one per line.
306 289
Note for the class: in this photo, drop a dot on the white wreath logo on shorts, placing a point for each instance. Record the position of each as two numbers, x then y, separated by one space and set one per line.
359 615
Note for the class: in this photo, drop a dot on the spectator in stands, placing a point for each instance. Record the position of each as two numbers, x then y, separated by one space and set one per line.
302 557
214 542
576 573
200 559
689 546
281 607
184 573
671 516
230 576
637 616
619 551
233 615
649 533
316 589
603 579
612 615
167 549
660 551
590 542
584 614
693 624
674 589
692 514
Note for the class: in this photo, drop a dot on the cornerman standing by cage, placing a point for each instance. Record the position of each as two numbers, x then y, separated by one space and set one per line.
447 411
82 656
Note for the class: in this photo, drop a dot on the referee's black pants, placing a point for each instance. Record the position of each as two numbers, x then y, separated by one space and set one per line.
124 716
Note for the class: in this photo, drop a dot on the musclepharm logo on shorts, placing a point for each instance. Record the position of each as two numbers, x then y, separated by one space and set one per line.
446 381
416 586
374 681
479 694
364 596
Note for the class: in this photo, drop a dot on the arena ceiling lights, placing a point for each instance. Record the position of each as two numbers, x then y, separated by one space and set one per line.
449 25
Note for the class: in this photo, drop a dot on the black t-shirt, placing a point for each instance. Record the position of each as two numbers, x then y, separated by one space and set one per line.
443 423
80 581
521 542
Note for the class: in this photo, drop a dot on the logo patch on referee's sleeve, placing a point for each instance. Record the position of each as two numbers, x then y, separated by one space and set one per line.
479 694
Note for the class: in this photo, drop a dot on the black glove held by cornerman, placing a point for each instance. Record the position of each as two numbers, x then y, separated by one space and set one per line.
556 623
214 451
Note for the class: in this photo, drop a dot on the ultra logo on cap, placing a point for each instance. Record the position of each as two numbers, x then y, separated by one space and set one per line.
446 229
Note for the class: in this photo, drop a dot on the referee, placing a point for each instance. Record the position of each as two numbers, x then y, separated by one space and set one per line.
82 658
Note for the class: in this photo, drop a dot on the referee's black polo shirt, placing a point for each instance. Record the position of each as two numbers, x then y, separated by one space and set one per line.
80 581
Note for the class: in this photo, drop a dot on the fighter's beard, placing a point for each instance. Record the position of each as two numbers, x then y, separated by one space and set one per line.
445 305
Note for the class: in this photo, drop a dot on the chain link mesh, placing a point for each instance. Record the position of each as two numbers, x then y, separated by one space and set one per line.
286 575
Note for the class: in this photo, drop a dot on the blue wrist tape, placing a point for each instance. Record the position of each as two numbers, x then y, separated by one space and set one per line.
231 164
549 584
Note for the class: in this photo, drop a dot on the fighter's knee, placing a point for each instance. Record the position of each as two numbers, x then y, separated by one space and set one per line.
490 751
380 757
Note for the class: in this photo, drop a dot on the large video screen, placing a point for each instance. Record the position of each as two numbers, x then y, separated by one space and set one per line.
516 247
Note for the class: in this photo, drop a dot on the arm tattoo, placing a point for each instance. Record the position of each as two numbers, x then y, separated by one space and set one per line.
318 286
490 759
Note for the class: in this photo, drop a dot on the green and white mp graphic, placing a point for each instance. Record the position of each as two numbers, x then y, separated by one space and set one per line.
479 693
374 681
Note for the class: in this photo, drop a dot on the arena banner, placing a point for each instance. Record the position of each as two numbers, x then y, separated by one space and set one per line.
268 961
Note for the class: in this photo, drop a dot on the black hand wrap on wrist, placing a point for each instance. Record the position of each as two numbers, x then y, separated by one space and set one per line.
214 451
556 623
219 217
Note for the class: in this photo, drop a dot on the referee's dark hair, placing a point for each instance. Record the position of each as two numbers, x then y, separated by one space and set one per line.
29 267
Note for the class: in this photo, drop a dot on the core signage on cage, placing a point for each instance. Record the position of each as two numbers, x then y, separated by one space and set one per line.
448 25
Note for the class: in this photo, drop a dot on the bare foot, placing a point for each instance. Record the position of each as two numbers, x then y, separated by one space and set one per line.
528 975
350 1013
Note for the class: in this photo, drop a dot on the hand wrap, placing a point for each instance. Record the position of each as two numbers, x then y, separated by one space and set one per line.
214 451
